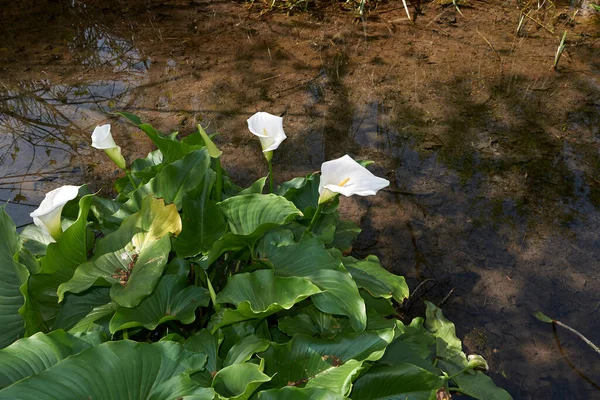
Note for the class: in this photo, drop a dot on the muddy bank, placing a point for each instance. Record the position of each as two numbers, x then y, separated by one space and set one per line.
493 156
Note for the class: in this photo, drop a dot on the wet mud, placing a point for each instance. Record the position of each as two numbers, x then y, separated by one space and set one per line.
493 155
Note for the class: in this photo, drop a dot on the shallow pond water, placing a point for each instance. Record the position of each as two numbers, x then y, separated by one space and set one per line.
494 157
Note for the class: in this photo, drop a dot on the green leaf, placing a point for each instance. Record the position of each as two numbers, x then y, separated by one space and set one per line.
246 213
340 296
34 354
303 192
115 370
180 177
345 233
338 379
472 383
543 317
172 300
309 258
169 146
401 381
304 258
172 183
13 276
415 346
133 257
96 320
260 293
313 322
212 149
245 348
295 393
371 276
206 343
303 357
61 260
35 240
203 221
447 343
239 381
78 306
256 188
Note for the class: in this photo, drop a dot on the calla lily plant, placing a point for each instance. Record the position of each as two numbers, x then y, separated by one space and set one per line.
47 215
345 176
269 129
102 140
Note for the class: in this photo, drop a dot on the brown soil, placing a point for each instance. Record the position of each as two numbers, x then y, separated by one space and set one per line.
493 155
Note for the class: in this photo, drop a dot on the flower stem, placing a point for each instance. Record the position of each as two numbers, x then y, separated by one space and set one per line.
270 176
219 188
315 217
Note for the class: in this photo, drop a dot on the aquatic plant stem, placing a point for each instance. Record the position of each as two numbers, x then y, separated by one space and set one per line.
315 217
270 176
586 340
219 188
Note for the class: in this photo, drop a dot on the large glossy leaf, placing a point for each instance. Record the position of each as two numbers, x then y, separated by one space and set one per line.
12 276
115 370
61 260
415 345
246 213
473 383
32 355
206 343
295 393
243 350
96 320
345 233
303 192
371 276
447 343
338 379
304 258
303 357
170 147
77 306
239 381
309 258
172 183
172 300
203 221
401 381
340 296
133 257
261 293
313 322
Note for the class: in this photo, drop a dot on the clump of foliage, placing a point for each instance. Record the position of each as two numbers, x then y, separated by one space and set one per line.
185 287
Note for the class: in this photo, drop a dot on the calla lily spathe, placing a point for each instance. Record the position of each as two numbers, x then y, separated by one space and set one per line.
347 177
103 140
269 129
47 215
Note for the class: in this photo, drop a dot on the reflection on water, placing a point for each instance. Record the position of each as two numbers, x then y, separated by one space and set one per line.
45 124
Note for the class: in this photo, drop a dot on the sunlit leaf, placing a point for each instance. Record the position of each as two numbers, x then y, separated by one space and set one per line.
371 276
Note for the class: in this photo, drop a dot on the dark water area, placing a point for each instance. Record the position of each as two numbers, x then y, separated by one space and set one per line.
494 157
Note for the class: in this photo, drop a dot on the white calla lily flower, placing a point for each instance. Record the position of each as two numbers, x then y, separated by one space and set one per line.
47 215
347 177
103 140
269 129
